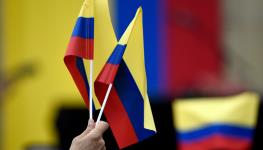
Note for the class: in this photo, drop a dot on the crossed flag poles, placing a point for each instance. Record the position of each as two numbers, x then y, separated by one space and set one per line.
120 82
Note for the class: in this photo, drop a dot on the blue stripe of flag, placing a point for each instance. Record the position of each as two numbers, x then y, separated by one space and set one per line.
132 100
117 54
84 28
223 129
82 71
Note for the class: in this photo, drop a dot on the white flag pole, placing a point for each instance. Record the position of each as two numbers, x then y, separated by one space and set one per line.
104 103
90 89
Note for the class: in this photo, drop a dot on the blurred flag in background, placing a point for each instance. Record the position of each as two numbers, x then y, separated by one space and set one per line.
174 67
216 123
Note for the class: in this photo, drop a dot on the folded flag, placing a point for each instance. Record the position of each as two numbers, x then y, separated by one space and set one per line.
216 123
128 110
81 46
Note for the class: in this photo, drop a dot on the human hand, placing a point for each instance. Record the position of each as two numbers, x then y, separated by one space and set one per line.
91 138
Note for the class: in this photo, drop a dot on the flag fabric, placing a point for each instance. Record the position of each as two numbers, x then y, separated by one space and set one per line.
121 63
216 123
128 110
81 46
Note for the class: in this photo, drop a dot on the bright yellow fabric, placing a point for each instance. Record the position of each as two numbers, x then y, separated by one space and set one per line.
104 40
194 113
125 37
87 9
135 50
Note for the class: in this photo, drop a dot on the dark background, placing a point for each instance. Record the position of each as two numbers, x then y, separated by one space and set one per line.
72 121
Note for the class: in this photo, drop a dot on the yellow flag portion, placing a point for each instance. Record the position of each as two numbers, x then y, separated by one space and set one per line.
104 40
87 9
135 49
190 114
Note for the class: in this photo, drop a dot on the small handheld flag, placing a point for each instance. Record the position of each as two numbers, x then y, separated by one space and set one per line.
121 81
122 84
81 46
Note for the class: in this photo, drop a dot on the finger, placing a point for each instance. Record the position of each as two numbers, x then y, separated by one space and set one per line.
91 125
101 127
101 144
103 148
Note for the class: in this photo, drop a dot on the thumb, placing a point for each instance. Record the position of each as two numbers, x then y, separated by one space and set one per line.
101 127
91 125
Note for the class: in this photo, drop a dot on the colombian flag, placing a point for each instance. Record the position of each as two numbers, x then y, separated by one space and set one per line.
81 46
128 110
216 123
120 63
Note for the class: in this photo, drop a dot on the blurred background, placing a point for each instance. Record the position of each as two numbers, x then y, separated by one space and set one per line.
206 52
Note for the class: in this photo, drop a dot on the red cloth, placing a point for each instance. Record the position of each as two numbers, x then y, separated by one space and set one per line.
192 45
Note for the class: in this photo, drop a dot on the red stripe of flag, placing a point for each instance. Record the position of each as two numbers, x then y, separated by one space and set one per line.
217 142
70 62
117 116
81 47
107 75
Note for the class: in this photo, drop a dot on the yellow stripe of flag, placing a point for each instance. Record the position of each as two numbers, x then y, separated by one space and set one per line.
241 110
103 43
135 50
87 9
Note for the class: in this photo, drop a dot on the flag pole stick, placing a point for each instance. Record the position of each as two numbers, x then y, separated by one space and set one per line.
104 103
90 89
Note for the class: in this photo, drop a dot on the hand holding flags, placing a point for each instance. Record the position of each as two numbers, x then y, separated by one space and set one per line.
121 79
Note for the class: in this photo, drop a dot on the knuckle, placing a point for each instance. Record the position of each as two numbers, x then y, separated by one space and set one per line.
76 139
102 142
95 136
